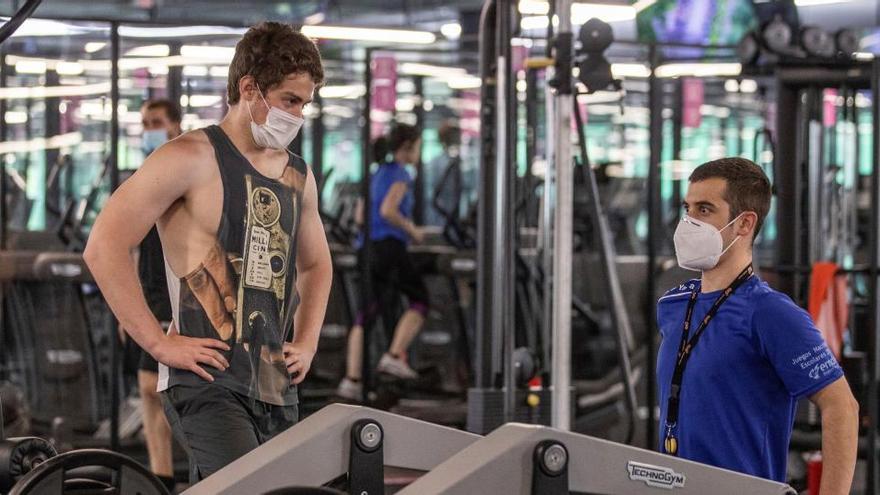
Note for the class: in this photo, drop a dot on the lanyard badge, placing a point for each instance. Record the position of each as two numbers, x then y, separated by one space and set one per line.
685 349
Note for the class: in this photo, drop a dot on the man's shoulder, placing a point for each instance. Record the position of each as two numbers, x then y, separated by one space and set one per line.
680 291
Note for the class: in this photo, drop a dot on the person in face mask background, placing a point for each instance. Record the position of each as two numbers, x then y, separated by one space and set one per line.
736 355
246 258
161 121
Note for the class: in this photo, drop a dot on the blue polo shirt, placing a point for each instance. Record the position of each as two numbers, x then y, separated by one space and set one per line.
758 356
386 176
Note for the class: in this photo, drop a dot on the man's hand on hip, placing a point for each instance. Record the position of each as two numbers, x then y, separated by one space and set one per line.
188 353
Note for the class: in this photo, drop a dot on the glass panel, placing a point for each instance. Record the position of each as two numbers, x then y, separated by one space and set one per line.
56 97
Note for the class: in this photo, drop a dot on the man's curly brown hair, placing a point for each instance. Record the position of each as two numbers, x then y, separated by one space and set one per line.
271 51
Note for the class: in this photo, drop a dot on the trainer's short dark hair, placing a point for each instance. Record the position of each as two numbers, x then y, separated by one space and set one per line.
172 111
271 51
748 188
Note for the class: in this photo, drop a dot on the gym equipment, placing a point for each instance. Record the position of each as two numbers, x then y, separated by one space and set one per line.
89 471
338 440
519 459
817 42
19 456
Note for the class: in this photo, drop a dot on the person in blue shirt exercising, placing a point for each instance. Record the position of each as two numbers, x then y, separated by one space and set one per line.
391 231
736 355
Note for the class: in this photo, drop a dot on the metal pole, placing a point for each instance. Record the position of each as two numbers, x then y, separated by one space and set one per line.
655 105
367 248
502 324
4 133
419 183
873 473
114 183
485 365
318 143
562 223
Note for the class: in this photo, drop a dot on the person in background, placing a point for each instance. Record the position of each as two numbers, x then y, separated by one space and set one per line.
161 121
391 231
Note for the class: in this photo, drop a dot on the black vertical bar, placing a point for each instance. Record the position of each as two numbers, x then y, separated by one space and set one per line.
114 182
504 15
786 184
174 80
873 473
655 107
531 105
419 185
485 207
677 129
4 133
367 248
52 120
318 144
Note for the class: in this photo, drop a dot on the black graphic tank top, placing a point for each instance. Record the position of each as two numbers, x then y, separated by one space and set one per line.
244 292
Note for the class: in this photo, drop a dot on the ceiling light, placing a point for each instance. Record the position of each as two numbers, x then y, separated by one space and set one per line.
451 30
16 117
699 70
641 5
200 100
623 70
316 18
40 144
45 27
863 56
54 91
809 3
369 34
30 67
464 82
534 7
582 12
417 69
533 22
219 71
748 86
219 53
349 91
178 32
149 51
68 68
94 46
195 70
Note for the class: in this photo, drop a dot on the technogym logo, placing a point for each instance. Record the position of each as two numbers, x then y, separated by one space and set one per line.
655 476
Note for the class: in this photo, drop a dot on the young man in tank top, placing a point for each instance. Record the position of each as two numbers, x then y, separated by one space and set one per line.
248 265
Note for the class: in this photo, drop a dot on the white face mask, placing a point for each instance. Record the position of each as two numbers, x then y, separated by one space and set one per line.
279 130
699 245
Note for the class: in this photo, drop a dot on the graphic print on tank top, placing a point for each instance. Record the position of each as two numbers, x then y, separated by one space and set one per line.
244 292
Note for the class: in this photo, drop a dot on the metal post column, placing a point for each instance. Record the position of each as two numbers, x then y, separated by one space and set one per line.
502 267
873 475
562 224
367 248
114 183
655 105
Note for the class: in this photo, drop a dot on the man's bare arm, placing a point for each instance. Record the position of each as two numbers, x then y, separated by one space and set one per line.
123 223
840 432
314 276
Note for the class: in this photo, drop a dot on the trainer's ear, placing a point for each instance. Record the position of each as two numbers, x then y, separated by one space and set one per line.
746 224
